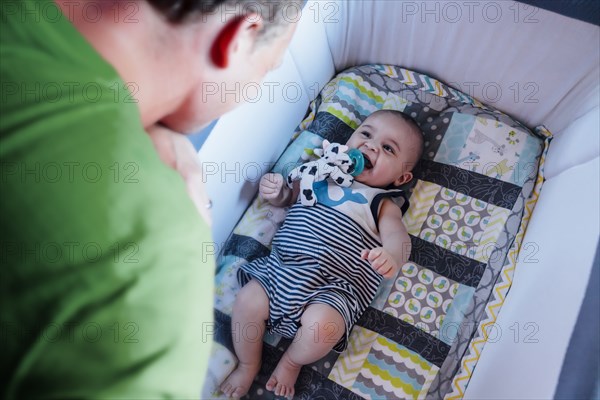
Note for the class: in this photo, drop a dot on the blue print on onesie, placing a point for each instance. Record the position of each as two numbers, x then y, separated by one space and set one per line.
315 257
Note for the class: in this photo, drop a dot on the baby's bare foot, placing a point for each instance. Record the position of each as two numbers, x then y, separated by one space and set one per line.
239 381
284 377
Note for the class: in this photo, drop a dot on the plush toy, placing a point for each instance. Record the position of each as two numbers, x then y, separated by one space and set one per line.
333 163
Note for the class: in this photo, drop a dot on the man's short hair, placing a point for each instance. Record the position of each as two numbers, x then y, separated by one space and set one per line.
274 13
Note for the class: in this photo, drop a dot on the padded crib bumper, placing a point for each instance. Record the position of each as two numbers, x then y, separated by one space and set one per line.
517 63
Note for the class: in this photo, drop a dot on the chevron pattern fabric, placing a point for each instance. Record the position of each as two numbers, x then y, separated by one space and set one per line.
471 198
351 361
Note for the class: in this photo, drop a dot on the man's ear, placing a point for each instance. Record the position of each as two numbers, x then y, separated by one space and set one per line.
406 177
229 38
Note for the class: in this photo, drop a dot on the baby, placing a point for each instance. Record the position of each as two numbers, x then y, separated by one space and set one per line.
328 260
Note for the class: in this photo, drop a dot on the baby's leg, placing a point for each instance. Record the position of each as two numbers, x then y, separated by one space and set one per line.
322 327
250 311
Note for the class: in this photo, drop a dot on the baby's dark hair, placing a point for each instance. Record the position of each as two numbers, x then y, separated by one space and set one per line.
415 130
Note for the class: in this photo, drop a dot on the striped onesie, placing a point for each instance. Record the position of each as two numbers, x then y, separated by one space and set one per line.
315 257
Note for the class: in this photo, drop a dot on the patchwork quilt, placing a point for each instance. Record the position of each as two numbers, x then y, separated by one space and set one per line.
473 193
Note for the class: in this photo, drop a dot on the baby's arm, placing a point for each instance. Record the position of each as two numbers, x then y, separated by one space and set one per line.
394 253
273 189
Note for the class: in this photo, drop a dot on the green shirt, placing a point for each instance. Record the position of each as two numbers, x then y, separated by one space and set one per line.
105 288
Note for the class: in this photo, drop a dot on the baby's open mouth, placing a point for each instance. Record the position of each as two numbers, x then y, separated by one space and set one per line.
368 164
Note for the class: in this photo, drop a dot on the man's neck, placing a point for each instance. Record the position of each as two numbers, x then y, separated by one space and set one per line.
137 43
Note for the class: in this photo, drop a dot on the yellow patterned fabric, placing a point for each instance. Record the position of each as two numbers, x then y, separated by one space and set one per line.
471 198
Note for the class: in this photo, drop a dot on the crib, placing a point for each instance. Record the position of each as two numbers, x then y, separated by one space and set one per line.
538 66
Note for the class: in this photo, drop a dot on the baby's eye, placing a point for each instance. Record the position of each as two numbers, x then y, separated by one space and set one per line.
366 134
388 148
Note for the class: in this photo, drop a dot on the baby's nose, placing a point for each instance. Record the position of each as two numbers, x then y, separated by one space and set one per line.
371 146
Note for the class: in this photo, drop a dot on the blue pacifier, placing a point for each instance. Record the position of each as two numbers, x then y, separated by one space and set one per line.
358 162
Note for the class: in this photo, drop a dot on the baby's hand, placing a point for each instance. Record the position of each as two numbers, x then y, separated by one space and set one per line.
271 186
381 261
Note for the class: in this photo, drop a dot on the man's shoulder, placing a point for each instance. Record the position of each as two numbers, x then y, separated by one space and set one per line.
90 172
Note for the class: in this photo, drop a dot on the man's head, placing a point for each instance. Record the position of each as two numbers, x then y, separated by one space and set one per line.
392 143
245 40
188 62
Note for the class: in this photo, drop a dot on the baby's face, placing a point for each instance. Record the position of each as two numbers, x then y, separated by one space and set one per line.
389 148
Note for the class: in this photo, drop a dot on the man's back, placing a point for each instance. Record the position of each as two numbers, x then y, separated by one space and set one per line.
102 271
